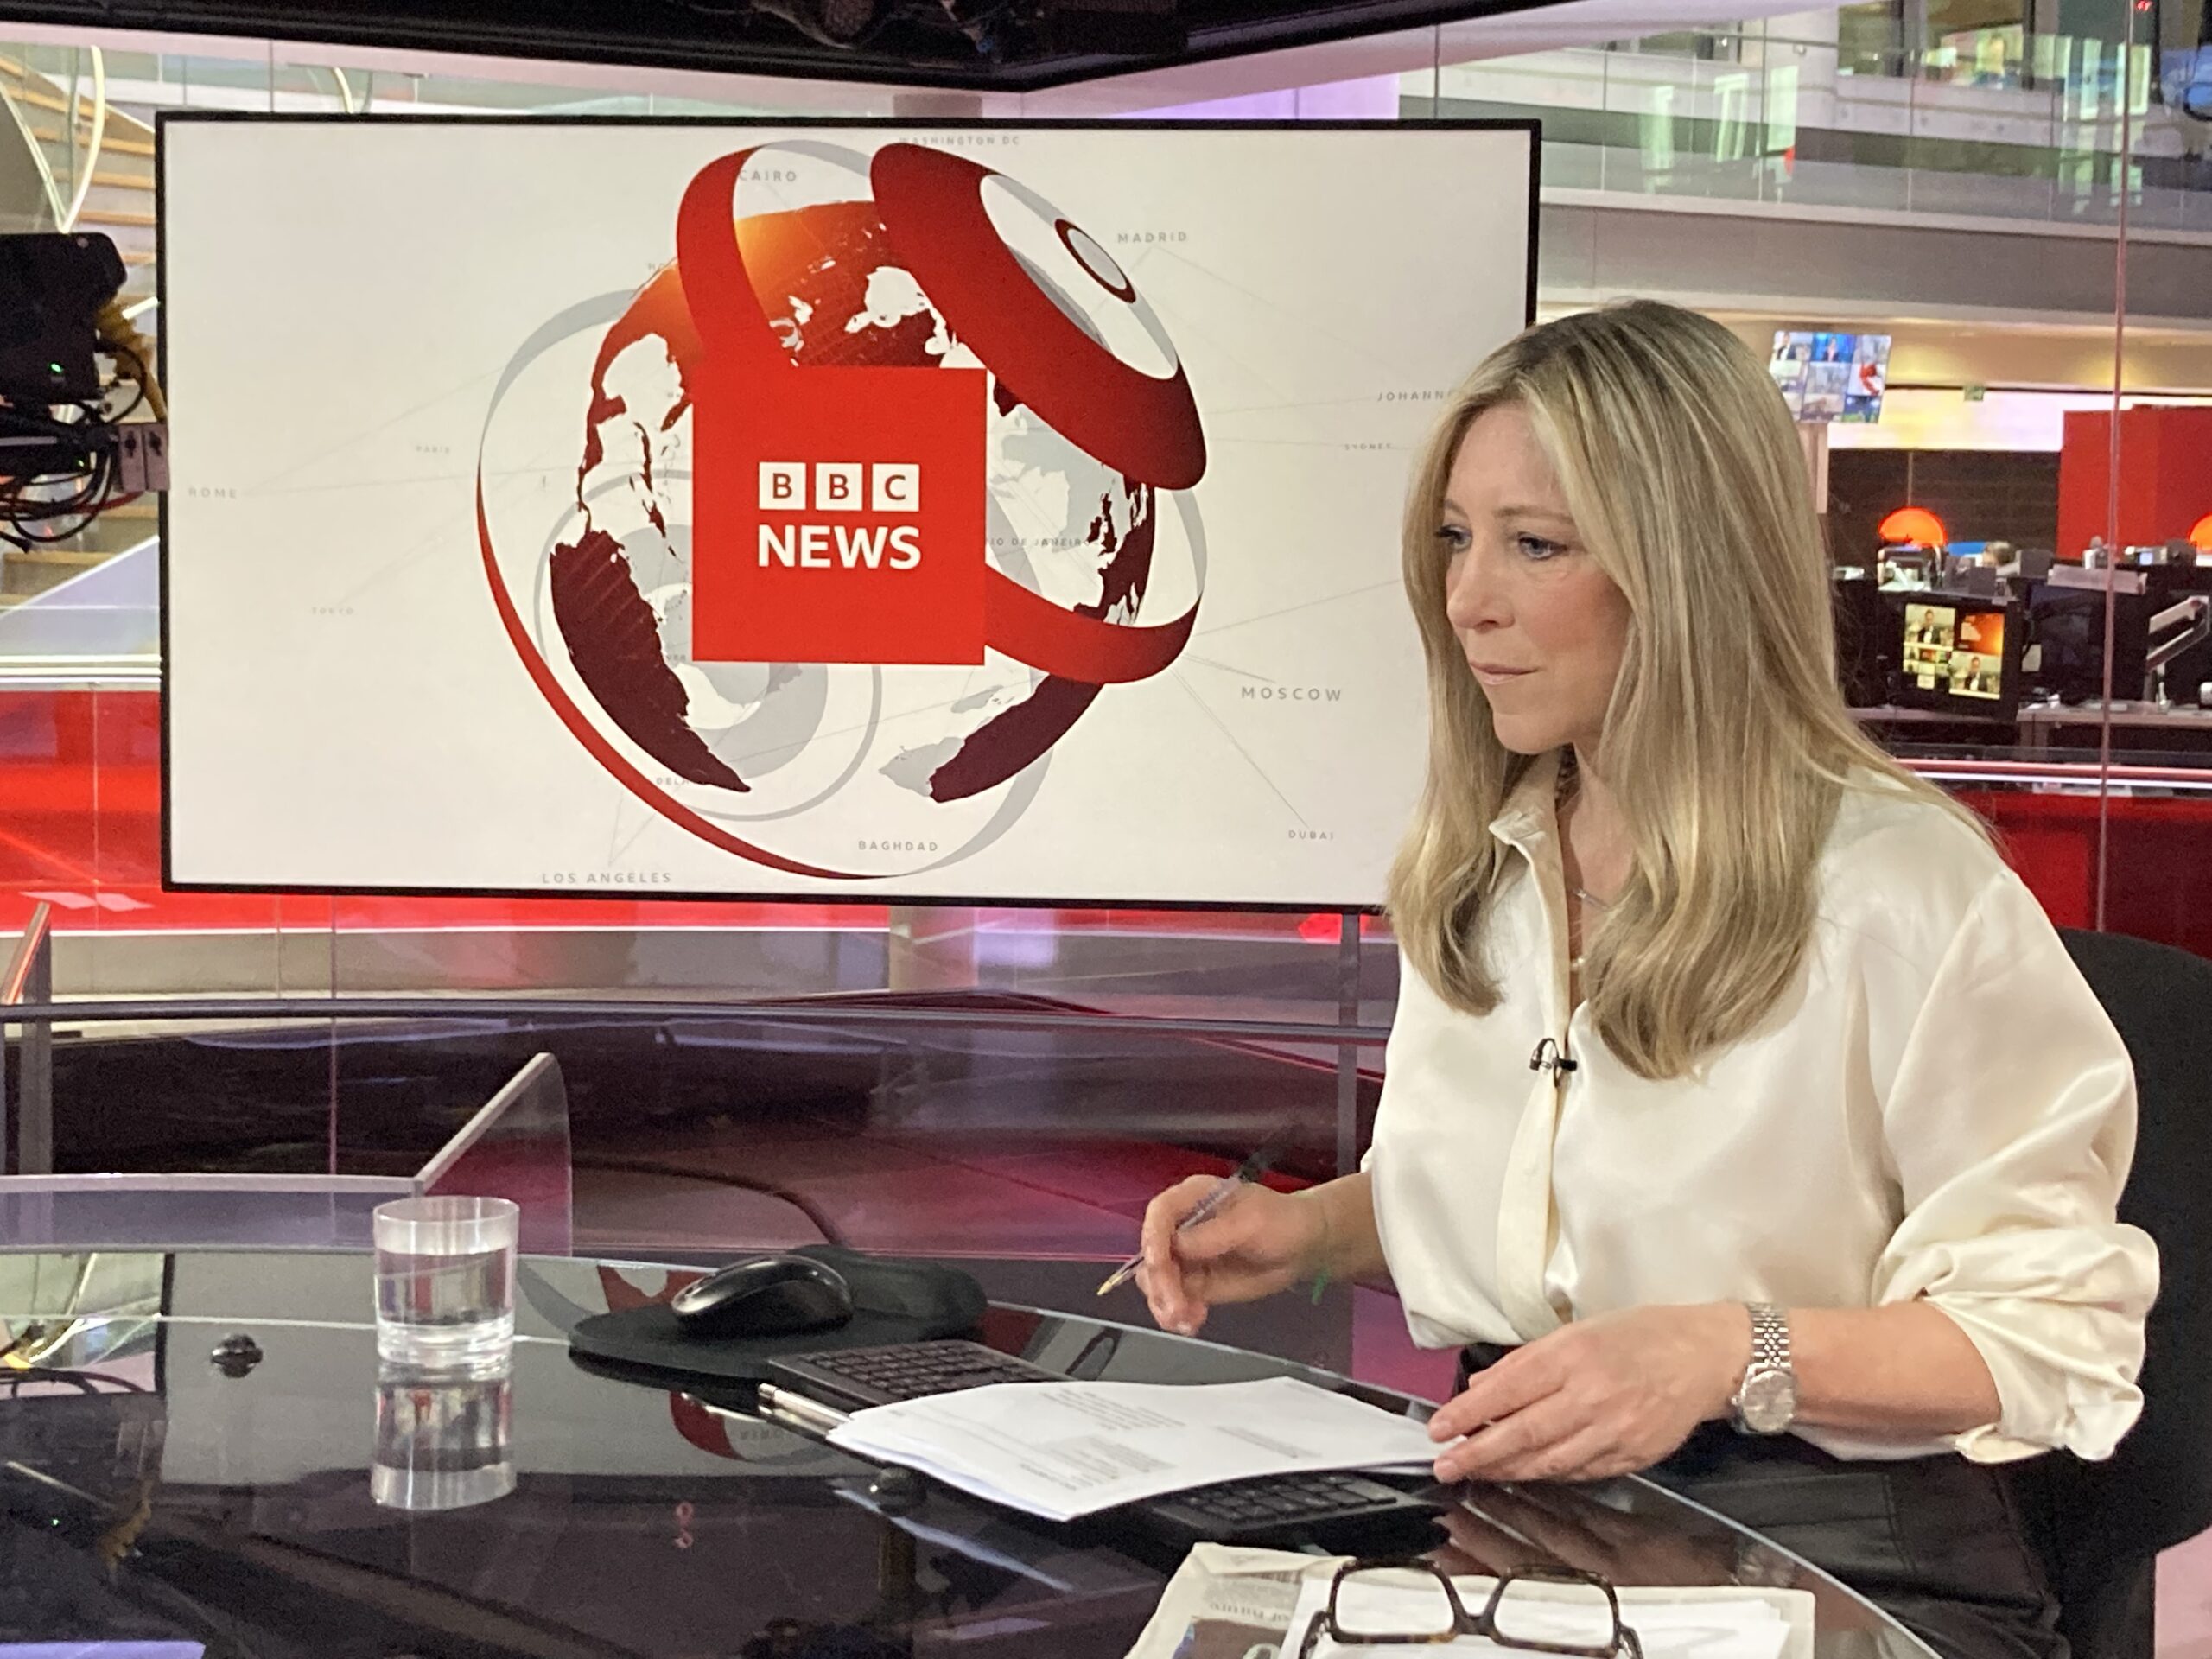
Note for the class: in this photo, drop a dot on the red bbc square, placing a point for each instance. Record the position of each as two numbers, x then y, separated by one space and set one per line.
839 515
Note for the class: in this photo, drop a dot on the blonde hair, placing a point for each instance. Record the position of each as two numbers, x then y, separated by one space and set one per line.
1727 742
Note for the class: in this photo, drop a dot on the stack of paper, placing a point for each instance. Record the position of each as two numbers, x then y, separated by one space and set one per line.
1061 1450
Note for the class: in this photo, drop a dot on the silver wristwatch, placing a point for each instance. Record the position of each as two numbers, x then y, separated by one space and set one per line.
1766 1400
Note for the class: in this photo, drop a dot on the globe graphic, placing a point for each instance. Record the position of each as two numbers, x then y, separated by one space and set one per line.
877 771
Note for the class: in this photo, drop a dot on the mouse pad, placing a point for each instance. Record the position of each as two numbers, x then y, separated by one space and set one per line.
893 1300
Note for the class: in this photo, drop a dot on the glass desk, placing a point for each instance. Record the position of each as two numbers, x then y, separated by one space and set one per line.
187 1467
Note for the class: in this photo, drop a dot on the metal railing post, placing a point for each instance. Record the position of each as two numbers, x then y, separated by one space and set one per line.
30 981
1348 966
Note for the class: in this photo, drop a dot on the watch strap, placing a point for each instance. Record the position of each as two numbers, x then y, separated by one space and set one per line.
1770 1355
1770 1339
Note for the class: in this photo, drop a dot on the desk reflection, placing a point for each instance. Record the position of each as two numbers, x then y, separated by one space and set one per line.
444 1443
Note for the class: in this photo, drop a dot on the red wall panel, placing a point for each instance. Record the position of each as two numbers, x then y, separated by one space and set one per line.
2165 475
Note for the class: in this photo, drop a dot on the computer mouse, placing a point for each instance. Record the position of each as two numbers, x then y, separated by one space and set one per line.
766 1296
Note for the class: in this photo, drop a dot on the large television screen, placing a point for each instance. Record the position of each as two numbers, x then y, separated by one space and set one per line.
1831 377
916 513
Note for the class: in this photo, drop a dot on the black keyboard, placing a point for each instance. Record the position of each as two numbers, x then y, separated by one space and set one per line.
1284 1508
1349 1509
850 1378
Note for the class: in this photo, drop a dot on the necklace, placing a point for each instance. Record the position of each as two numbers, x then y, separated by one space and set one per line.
1563 793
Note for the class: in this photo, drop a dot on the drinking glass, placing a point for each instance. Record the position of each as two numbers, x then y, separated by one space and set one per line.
446 1284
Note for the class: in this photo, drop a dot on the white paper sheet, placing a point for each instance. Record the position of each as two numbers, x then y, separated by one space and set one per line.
1061 1450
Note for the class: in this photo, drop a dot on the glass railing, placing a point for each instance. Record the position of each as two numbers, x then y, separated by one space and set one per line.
54 103
1994 123
145 81
1989 123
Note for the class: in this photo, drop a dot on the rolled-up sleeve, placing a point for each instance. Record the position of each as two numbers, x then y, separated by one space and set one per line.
2010 1124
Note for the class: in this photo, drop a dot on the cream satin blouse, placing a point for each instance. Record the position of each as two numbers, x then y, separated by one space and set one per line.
1939 1108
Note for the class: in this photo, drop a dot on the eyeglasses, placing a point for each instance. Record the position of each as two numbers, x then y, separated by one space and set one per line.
1539 1609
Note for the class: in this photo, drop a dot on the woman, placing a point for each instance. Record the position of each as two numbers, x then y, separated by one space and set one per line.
1735 1078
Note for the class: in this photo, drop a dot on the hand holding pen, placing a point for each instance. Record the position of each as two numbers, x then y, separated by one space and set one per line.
1206 1208
1209 1241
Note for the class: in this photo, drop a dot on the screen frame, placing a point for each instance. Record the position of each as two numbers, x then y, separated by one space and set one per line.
1530 129
2004 708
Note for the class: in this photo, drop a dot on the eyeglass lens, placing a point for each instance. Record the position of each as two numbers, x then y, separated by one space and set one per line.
1555 1613
1388 1604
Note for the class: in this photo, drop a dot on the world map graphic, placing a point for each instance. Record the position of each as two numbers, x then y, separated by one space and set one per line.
838 291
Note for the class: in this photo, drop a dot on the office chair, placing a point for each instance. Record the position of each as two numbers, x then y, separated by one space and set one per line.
2098 1527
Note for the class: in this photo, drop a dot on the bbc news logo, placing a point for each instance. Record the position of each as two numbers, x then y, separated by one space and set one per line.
877 490
812 513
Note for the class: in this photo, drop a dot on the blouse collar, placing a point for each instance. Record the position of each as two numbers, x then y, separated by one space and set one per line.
1530 817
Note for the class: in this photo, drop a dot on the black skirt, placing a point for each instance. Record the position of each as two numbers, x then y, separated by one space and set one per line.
1938 1543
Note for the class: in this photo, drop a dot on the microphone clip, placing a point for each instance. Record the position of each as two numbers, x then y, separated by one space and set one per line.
1549 1058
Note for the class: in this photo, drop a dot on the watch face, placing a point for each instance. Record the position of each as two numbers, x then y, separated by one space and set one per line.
1768 1401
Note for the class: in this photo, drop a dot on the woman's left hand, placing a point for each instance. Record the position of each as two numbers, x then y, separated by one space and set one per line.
1602 1396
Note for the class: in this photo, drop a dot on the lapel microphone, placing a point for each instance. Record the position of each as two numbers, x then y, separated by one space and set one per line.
1548 1057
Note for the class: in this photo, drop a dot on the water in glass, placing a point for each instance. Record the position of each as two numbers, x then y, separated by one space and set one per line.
445 1283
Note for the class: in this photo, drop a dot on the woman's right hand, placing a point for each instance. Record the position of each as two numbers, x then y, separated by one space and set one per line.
1259 1242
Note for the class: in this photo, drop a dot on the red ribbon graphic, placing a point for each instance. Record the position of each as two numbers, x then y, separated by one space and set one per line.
729 320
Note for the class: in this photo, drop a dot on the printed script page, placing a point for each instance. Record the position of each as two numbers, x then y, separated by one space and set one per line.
1061 1450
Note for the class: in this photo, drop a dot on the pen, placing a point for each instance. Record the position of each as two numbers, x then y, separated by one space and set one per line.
1224 1190
790 1410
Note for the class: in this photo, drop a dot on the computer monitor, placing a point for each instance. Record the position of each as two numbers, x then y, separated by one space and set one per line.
1866 646
1959 653
1827 376
1907 570
2066 627
1977 581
